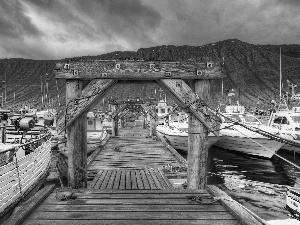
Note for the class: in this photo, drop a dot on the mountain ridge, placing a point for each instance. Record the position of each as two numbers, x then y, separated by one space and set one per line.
251 69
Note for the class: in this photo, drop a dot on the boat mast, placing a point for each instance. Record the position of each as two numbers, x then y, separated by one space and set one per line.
280 75
222 80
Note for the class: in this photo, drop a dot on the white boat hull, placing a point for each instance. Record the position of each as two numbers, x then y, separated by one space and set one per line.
179 140
18 178
247 146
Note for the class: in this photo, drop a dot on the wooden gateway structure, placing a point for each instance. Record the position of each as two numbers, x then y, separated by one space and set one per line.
135 194
87 82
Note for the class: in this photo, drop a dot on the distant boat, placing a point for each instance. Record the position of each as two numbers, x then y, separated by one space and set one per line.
287 122
20 175
162 109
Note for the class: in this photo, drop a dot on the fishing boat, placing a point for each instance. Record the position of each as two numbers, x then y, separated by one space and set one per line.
162 109
175 130
288 122
236 137
23 168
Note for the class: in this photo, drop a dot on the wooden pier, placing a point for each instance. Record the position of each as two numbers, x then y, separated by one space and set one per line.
135 193
127 186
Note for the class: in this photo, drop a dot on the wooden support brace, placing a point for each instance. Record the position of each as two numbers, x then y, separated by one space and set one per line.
187 99
119 110
88 97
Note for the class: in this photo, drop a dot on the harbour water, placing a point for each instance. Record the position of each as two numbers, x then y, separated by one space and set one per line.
258 184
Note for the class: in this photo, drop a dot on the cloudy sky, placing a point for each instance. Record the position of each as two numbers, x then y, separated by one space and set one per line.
56 29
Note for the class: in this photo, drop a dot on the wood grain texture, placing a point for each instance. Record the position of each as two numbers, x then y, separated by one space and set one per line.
132 207
77 140
132 150
27 208
131 222
137 70
198 142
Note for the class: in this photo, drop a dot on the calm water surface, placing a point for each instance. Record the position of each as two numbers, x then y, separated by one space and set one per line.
259 184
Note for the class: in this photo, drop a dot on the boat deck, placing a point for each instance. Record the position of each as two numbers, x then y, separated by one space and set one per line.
129 188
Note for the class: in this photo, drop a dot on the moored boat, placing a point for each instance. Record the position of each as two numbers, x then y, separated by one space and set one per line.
288 122
21 175
175 130
236 137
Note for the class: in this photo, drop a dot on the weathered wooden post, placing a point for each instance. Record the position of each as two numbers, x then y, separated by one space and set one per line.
3 134
152 121
144 115
77 140
198 141
115 120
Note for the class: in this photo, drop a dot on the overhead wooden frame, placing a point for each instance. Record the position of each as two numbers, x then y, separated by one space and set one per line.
137 70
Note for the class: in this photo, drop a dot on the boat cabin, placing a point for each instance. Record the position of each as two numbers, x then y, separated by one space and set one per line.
94 122
162 109
286 120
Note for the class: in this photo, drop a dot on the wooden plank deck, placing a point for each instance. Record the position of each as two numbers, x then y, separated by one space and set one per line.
128 188
130 179
134 150
170 206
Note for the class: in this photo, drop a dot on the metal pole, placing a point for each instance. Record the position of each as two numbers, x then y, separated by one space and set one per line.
5 86
280 75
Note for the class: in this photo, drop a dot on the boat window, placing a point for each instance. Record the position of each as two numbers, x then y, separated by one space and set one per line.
162 110
281 120
296 119
236 117
183 129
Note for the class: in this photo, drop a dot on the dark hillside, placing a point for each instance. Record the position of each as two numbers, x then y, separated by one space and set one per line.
251 69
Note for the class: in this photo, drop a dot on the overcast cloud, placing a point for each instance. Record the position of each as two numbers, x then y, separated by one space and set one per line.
56 29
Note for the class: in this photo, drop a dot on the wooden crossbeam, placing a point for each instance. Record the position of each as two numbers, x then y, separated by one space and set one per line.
124 113
151 110
187 99
119 110
90 95
137 70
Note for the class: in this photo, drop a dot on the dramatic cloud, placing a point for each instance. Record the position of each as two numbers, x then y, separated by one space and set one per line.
55 29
